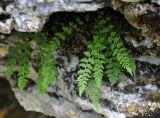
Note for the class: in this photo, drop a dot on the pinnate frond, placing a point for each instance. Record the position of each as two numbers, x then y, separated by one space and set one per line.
23 73
84 74
94 93
121 53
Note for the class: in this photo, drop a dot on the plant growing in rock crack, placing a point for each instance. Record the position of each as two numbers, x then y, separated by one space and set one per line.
21 57
105 53
44 52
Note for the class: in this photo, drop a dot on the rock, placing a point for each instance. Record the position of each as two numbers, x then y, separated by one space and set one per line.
62 101
145 17
51 106
3 50
7 26
154 96
77 108
151 87
132 0
146 42
31 15
156 1
149 59
28 23
9 106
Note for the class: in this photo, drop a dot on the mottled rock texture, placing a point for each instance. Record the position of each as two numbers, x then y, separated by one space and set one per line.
31 15
61 100
146 18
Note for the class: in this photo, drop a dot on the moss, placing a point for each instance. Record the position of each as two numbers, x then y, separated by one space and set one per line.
156 80
117 4
148 24
74 46
134 21
149 114
154 96
141 81
130 89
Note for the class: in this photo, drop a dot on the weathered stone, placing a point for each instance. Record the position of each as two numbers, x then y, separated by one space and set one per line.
28 23
146 42
62 101
3 50
154 96
145 17
7 26
149 59
31 15
156 1
132 0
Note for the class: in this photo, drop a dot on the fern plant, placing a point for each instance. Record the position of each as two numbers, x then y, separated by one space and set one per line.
20 55
85 72
11 62
48 71
95 93
105 53
44 55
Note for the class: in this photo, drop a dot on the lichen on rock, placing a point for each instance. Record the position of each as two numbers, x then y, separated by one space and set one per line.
145 17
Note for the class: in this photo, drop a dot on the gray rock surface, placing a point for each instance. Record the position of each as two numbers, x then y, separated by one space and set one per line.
156 1
62 101
149 59
145 17
30 15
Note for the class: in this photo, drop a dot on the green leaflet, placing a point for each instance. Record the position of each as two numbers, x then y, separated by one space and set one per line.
47 70
106 53
44 55
94 93
84 74
23 73
11 62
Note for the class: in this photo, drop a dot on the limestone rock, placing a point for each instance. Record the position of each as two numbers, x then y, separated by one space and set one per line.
156 1
62 101
31 15
145 17
149 59
3 50
7 26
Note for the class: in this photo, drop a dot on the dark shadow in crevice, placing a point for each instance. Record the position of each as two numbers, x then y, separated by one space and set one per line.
4 17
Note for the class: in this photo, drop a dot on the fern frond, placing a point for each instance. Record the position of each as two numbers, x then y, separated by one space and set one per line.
94 93
98 71
47 75
98 64
11 62
113 69
121 54
84 74
47 71
23 73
